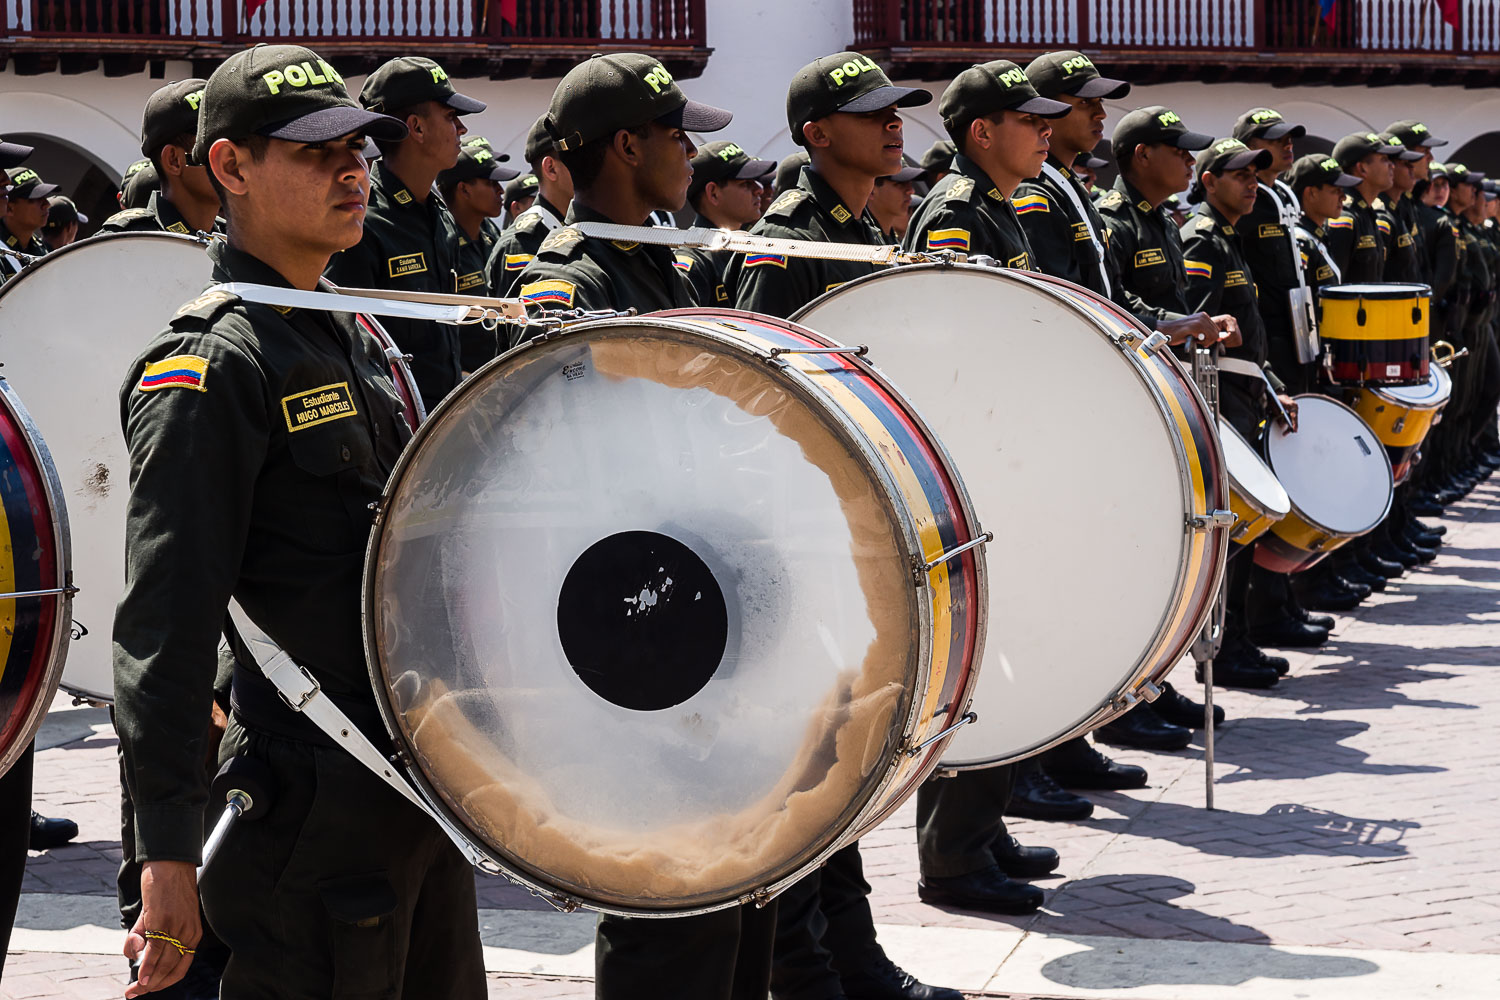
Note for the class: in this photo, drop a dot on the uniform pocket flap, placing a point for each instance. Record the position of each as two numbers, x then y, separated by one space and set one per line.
358 899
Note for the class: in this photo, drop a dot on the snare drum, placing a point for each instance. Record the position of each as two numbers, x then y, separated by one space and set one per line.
1375 334
36 612
665 610
1401 416
69 352
1256 496
1094 462
1337 476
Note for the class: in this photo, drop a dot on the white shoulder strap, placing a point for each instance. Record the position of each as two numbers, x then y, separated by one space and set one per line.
548 219
1083 216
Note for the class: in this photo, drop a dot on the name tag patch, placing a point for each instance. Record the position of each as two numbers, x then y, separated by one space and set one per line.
1270 230
1324 273
318 406
1365 243
1233 279
407 263
1020 262
1149 258
1080 232
468 281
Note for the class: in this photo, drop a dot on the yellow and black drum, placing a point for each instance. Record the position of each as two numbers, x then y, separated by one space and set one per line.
1401 416
1255 494
1375 334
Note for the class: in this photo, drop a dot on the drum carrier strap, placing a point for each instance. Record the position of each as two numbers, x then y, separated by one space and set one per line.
1062 182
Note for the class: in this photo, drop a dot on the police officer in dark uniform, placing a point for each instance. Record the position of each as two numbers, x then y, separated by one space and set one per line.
25 215
411 241
1465 202
488 224
186 202
344 887
937 161
473 189
1404 258
1355 238
726 195
844 112
550 196
137 183
519 196
619 125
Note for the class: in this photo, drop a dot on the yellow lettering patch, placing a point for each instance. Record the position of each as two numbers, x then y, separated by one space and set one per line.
1404 240
178 227
832 285
468 281
407 263
517 261
318 406
1234 279
1020 262
721 294
182 371
1080 232
1270 230
1149 258
1365 243
1324 273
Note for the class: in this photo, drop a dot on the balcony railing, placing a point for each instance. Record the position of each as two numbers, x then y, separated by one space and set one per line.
498 37
1280 39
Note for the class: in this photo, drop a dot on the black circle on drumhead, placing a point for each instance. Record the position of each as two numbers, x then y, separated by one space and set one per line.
642 620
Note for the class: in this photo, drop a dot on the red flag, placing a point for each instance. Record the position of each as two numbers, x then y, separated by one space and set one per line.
508 11
251 6
1450 11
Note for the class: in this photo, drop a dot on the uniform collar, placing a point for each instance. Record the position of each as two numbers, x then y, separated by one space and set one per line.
968 168
826 197
583 213
14 242
1307 223
384 178
1221 224
547 206
167 214
1137 201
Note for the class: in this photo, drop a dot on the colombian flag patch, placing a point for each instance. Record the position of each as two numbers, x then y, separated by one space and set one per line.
1198 269
517 261
682 261
1384 224
759 259
948 239
184 371
548 292
1342 222
1030 203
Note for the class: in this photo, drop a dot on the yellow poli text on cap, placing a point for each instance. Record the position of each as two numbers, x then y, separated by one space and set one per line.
301 75
841 75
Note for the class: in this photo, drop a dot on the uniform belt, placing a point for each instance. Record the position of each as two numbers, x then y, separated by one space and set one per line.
260 707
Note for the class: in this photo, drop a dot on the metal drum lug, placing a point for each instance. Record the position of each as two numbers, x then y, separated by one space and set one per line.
1153 343
1124 702
1150 691
1213 519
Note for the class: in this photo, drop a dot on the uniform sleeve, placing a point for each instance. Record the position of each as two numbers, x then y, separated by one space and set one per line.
1205 274
506 263
196 446
554 285
1120 248
1047 228
1340 242
1443 261
773 284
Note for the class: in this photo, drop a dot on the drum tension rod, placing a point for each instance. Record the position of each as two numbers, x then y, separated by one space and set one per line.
1154 343
17 594
907 750
988 536
1213 519
859 351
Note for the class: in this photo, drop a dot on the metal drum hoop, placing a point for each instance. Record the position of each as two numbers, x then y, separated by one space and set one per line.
1297 508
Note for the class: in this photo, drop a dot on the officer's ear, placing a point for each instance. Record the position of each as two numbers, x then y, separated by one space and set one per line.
173 159
981 133
227 161
815 136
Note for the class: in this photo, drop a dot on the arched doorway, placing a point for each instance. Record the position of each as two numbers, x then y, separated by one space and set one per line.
1480 153
78 173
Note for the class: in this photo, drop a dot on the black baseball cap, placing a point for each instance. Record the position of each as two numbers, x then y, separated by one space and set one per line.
283 92
61 211
718 162
1265 123
1317 169
1413 133
606 93
1072 73
939 156
539 144
407 80
1352 148
999 85
1409 155
789 169
522 187
1230 154
139 181
1457 174
1490 188
476 160
13 154
171 111
27 185
1148 126
844 81
910 171
1437 171
1089 161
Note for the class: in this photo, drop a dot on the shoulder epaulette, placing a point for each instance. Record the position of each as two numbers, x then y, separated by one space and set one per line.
127 217
561 242
205 307
1111 200
1203 224
786 202
962 189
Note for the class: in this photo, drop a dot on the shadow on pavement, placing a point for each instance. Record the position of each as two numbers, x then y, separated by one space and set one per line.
1357 682
1299 748
1109 968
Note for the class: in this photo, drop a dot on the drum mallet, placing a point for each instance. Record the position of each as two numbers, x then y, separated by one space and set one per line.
243 784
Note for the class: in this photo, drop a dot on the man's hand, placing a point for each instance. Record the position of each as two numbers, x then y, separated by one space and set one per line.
1229 330
1198 328
1290 406
169 905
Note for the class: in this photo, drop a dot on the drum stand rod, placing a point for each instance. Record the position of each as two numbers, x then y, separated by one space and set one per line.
1206 374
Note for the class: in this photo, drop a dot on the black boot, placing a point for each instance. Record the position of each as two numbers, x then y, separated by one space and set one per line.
1373 563
1325 594
1037 796
1143 729
48 833
885 980
1078 764
1288 634
1023 862
1238 666
1181 710
989 891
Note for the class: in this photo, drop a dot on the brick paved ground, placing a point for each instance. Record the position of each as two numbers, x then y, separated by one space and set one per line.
1357 808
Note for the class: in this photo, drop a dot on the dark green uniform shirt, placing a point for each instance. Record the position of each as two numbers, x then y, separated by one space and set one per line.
519 244
1405 259
9 266
778 285
476 344
409 246
1479 275
1219 281
965 212
1318 268
1355 241
705 269
1147 252
257 441
159 215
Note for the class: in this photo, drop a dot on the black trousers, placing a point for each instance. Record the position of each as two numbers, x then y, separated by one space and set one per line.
15 839
959 818
344 889
824 931
724 955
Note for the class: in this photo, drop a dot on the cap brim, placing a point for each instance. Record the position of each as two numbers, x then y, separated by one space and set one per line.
1260 159
83 220
1346 181
695 117
755 169
13 154
1103 86
1385 150
1095 162
1191 141
1043 107
465 105
330 123
504 174
37 193
1432 143
907 174
1282 129
884 97
1410 155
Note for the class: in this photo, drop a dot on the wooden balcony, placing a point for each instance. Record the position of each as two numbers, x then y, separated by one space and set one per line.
494 38
1376 42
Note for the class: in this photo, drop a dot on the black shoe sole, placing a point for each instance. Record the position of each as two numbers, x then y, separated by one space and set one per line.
940 897
1049 815
1092 782
1196 722
1139 743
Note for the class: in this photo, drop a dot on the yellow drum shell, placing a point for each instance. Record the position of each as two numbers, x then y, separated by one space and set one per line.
1256 497
1250 521
1395 424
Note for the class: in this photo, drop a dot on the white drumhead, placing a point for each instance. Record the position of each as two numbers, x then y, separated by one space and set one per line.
1376 290
1333 467
1249 473
1069 462
69 328
1428 396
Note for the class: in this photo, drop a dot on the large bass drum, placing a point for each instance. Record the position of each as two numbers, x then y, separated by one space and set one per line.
35 579
70 325
1093 460
663 611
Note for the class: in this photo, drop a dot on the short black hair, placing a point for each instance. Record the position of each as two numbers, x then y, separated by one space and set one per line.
587 161
400 114
184 141
257 145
